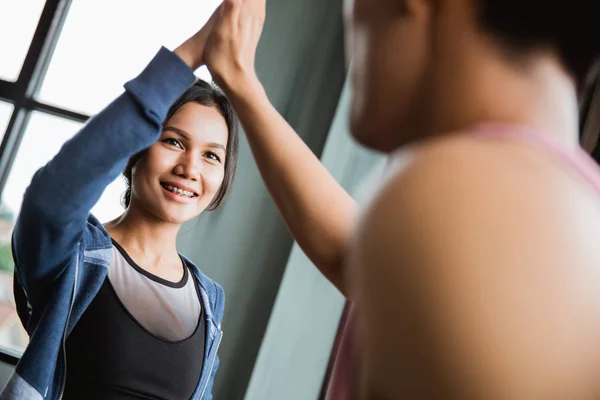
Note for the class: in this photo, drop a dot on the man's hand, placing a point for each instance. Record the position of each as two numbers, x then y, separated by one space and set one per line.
231 47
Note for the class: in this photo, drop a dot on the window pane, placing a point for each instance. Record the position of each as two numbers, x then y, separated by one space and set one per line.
106 43
18 21
5 113
44 137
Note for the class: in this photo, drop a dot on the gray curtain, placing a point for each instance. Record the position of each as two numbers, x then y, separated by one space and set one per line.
245 246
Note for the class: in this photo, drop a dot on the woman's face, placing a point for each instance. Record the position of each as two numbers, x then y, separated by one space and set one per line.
181 173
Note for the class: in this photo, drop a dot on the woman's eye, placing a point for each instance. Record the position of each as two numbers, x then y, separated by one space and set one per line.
213 156
173 142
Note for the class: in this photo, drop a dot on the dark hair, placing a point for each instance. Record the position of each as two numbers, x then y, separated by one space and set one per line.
209 95
568 27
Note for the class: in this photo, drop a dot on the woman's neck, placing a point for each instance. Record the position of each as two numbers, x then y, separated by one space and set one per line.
150 242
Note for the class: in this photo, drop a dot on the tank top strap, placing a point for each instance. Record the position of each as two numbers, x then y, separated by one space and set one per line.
575 157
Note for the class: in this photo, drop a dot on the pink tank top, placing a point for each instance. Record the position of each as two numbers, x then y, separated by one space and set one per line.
344 372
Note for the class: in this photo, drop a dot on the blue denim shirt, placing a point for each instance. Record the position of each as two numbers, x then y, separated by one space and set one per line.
62 253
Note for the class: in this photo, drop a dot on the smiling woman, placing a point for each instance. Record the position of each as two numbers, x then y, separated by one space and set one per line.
200 125
122 283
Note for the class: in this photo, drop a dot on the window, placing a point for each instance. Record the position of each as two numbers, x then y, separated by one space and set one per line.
100 49
18 21
63 61
5 113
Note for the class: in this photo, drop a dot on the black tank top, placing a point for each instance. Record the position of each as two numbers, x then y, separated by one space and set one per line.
111 356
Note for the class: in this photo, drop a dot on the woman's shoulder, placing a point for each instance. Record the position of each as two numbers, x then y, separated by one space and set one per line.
214 291
95 235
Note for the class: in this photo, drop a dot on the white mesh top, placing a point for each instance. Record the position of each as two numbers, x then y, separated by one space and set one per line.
166 309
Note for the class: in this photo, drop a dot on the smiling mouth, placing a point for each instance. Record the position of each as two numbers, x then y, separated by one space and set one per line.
178 191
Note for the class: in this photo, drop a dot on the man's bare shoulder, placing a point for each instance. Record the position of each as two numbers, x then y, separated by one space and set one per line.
476 243
468 192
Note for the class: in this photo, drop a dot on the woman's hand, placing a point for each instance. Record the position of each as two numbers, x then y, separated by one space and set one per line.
193 49
231 47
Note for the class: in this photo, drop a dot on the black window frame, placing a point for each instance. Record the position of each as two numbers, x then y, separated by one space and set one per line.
23 92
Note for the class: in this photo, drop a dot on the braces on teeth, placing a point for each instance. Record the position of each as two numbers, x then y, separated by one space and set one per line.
179 191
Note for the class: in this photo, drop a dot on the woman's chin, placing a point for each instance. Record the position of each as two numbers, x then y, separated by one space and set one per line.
177 216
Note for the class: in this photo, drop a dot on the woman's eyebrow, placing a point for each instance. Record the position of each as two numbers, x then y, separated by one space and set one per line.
178 131
215 145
